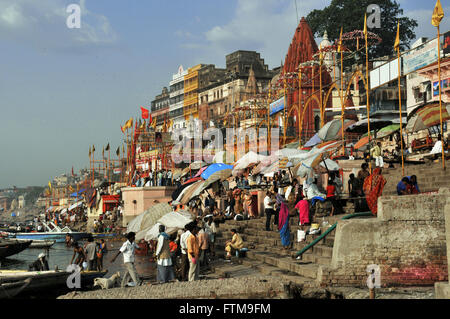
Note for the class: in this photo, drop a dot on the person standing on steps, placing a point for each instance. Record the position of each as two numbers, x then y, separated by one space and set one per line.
268 208
193 251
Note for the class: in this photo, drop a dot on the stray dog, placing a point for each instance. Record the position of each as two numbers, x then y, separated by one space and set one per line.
107 283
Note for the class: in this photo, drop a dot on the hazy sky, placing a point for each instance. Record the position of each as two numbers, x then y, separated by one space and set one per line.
62 90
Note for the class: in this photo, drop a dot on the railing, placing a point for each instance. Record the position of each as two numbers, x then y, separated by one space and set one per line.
329 230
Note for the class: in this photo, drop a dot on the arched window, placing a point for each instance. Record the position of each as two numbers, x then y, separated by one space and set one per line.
317 123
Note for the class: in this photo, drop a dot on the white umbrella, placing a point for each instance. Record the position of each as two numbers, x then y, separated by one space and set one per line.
173 221
330 131
148 217
249 158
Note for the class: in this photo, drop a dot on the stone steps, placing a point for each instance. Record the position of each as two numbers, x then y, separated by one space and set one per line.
267 255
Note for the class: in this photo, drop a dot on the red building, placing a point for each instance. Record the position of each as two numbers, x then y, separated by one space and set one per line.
302 49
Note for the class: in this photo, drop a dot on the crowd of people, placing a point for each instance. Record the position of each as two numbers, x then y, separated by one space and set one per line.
152 178
89 256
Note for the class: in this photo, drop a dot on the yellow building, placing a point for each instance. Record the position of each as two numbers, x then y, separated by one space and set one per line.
191 81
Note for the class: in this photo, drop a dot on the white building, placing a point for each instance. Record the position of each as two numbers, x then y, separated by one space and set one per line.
418 88
176 96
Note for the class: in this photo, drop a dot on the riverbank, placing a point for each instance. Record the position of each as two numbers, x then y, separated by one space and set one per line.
236 281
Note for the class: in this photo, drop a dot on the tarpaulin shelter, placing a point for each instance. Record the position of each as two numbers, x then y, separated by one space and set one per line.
427 116
215 168
148 218
173 222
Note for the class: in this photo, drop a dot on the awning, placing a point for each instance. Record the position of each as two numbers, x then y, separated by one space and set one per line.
111 199
427 117
73 206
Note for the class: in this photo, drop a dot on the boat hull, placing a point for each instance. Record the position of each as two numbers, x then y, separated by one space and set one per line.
12 247
45 280
39 243
58 237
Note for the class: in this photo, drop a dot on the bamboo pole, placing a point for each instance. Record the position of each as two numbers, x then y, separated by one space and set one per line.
440 95
322 113
400 109
342 99
284 113
368 98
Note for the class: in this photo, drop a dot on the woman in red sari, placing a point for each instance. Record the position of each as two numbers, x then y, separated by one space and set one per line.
373 188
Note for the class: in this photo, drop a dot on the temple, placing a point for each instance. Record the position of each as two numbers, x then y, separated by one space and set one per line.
303 48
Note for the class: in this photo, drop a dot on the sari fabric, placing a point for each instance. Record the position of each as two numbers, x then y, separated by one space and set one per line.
303 211
283 225
373 188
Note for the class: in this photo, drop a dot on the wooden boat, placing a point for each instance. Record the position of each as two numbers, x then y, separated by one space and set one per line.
12 247
11 289
51 279
39 243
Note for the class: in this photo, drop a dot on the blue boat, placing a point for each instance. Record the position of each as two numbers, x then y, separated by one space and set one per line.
55 233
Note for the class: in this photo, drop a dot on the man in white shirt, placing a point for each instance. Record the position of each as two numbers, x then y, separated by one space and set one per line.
437 148
268 208
184 256
127 250
313 191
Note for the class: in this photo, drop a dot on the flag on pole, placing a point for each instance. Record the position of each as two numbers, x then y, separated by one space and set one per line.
107 147
90 151
438 14
142 126
128 124
122 129
340 41
103 152
145 113
150 120
365 27
118 151
93 148
397 38
49 185
154 124
72 172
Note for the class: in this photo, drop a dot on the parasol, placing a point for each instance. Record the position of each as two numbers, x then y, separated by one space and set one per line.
332 130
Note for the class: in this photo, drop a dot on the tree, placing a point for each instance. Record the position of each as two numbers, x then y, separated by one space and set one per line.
349 14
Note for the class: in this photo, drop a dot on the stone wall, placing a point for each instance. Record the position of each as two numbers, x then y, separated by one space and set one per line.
406 240
442 289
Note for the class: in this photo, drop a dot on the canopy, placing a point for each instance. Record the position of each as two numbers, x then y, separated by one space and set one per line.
249 158
187 194
73 206
192 180
361 126
333 129
173 222
388 130
197 165
426 117
327 163
313 141
149 217
362 142
200 171
213 168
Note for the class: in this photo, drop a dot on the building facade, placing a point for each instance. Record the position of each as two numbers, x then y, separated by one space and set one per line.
176 96
160 108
